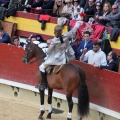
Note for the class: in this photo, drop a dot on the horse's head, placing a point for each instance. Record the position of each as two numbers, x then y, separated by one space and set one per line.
29 52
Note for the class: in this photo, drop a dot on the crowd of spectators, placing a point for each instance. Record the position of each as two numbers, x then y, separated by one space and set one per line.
104 12
100 12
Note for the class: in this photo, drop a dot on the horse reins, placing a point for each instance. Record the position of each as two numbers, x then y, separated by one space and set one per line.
35 60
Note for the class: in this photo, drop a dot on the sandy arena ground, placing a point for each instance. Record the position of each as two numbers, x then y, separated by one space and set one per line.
12 109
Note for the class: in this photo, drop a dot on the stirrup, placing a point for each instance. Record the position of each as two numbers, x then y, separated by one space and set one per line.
43 86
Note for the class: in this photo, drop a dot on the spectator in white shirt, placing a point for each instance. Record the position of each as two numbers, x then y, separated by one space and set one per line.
95 56
76 10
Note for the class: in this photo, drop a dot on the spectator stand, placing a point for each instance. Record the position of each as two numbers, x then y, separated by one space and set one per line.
100 83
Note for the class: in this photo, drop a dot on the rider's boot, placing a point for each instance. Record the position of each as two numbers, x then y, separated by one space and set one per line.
43 84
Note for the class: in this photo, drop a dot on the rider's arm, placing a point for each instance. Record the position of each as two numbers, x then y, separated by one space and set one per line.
73 31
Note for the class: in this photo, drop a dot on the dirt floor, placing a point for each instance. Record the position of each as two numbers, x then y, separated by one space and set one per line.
12 109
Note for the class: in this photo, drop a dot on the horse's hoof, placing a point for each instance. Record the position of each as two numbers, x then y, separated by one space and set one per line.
41 115
40 118
49 115
69 119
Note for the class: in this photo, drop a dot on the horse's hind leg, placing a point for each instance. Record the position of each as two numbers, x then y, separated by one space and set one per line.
49 103
42 104
70 105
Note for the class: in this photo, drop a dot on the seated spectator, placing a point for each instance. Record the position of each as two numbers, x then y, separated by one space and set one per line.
16 42
4 3
36 38
13 4
98 11
85 45
111 1
67 9
113 18
23 3
117 2
39 38
4 37
95 56
89 9
112 62
39 42
106 11
76 10
82 3
57 9
33 38
45 6
75 43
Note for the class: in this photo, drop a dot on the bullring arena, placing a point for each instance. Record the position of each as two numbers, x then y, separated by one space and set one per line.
19 99
23 104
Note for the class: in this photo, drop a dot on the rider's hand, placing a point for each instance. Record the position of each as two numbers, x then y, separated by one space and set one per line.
28 6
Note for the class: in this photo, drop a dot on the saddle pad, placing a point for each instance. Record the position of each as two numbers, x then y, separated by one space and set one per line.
55 69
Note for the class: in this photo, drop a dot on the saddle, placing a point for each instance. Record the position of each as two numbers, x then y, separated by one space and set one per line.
54 69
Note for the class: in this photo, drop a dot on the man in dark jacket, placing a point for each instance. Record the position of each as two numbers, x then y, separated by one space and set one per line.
4 37
86 44
112 62
89 9
46 6
113 18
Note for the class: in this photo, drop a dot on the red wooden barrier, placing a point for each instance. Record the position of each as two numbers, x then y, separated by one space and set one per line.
103 85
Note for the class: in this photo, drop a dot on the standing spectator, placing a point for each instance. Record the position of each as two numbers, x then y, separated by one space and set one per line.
16 42
76 10
4 37
113 18
89 9
85 45
95 56
112 62
117 2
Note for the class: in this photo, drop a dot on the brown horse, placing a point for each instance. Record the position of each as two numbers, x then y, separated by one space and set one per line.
69 78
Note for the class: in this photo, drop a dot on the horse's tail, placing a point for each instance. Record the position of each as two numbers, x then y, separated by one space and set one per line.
83 96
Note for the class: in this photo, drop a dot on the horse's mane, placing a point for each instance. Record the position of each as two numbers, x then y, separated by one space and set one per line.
38 49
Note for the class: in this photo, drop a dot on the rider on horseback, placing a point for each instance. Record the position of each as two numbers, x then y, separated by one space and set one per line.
59 51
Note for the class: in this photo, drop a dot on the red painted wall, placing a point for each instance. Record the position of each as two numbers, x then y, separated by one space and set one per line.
103 85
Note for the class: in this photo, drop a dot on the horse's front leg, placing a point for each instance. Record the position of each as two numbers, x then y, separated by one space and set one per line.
42 104
50 91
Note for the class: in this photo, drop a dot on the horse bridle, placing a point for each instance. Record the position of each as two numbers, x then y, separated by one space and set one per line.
30 51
